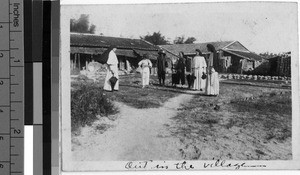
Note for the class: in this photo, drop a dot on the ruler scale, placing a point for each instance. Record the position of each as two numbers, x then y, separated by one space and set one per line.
11 87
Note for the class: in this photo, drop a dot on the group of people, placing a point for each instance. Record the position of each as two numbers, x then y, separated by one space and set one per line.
112 69
203 75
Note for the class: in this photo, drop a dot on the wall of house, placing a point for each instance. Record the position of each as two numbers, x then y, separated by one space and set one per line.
246 65
239 65
234 64
80 61
225 63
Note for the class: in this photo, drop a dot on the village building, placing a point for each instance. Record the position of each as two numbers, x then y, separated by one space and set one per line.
233 56
86 47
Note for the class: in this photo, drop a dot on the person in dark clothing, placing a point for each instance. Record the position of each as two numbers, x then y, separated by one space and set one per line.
215 63
180 68
161 67
190 80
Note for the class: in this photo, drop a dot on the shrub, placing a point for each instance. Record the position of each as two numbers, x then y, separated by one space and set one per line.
83 78
75 71
88 101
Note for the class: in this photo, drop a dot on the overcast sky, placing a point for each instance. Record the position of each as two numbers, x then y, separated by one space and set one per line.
258 26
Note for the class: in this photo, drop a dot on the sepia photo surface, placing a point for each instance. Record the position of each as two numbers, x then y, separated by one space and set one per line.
179 86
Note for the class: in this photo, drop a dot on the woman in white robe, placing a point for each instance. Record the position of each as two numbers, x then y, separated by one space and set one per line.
212 80
112 70
198 68
145 65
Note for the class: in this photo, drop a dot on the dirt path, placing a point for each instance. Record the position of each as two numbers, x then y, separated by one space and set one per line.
137 134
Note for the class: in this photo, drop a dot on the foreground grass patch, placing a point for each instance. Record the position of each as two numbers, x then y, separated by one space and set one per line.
132 94
88 102
243 122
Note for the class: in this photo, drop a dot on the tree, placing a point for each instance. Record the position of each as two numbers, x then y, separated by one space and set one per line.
190 40
268 55
156 38
82 25
181 40
92 29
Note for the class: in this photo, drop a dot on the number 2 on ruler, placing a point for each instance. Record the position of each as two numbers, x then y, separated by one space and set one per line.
17 131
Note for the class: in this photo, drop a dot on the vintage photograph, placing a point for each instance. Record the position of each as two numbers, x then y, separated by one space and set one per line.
178 82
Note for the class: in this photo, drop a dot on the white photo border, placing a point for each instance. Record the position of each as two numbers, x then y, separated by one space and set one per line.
65 113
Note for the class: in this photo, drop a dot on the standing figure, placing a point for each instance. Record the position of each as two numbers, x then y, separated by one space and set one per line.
145 65
198 69
188 69
112 69
161 67
180 69
212 80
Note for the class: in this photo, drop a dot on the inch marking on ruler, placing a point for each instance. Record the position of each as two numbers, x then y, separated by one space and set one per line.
11 87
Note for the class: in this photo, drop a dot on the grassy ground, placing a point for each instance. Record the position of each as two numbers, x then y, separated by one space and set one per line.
89 102
133 95
243 122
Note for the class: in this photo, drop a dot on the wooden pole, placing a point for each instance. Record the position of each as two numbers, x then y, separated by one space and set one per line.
79 61
71 61
75 61
86 64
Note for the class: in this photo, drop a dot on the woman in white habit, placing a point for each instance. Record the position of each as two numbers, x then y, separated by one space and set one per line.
112 69
212 80
198 68
145 65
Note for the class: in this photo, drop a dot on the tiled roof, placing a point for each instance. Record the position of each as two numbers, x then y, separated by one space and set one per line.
190 48
249 55
90 40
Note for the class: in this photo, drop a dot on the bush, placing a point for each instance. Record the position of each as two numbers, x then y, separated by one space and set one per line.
88 101
75 71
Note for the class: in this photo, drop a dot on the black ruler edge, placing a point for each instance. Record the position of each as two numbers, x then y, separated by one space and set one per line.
37 30
28 69
46 55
